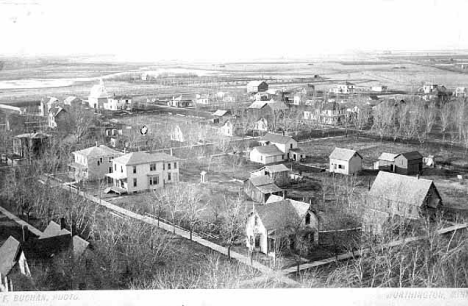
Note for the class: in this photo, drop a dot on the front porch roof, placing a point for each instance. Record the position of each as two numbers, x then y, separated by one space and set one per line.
117 175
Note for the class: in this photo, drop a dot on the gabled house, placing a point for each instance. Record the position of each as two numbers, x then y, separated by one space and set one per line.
140 171
275 225
58 118
221 115
345 161
429 88
275 148
461 92
266 154
261 125
379 88
346 88
283 142
409 163
260 188
203 99
177 134
257 86
278 173
92 163
231 128
13 259
386 162
402 196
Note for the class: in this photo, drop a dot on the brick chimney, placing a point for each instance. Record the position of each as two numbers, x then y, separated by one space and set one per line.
25 232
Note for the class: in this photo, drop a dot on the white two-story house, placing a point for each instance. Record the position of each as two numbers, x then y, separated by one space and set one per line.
140 171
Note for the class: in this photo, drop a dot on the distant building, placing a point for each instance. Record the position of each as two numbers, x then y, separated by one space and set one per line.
274 148
429 88
72 100
118 103
140 171
386 162
180 102
345 161
346 88
92 163
231 128
379 88
58 118
261 125
257 86
98 96
461 92
221 115
394 198
203 99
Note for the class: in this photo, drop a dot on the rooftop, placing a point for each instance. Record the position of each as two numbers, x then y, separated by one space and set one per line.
269 150
411 155
280 215
276 138
388 156
97 151
136 158
343 154
9 253
401 188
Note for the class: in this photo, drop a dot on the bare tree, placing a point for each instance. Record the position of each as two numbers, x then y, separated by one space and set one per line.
445 117
233 226
193 205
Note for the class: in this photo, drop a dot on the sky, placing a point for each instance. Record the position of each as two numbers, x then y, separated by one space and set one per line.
228 30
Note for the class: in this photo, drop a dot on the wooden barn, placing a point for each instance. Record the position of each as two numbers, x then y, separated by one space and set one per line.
260 188
409 163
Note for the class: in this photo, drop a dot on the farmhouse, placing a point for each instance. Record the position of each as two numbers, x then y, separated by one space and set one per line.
278 173
256 86
260 188
429 88
275 148
409 163
140 171
379 88
261 125
346 88
402 196
284 143
98 96
203 99
266 154
92 163
231 128
118 102
180 102
386 162
274 226
345 161
221 115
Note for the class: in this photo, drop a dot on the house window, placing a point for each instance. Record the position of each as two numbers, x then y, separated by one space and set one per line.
154 180
169 166
164 166
175 165
110 169
115 167
341 167
168 176
256 221
307 219
100 160
134 182
134 169
111 158
282 156
121 169
98 163
291 146
152 167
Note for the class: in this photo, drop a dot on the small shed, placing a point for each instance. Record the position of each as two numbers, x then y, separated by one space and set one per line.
278 173
260 188
386 162
409 163
345 161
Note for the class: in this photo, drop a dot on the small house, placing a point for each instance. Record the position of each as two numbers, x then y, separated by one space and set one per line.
275 225
379 88
261 125
121 102
409 163
278 173
28 146
260 188
231 128
404 196
257 86
345 161
461 92
346 88
58 118
98 96
180 102
386 162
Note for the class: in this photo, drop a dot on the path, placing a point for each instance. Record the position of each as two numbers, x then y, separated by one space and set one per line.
186 234
11 216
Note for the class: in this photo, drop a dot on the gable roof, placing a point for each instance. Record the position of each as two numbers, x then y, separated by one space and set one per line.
281 214
53 230
401 188
277 105
343 154
57 110
413 155
79 246
277 168
258 105
264 184
9 253
221 112
71 99
136 158
388 156
276 138
99 151
269 150
255 83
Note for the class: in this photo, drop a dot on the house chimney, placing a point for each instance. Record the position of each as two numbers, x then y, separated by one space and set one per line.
62 223
25 231
284 194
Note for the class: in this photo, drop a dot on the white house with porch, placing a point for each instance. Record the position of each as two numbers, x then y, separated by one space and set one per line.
92 163
140 171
